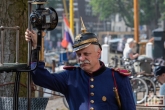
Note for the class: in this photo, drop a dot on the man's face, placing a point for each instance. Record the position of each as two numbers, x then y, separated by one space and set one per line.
161 78
88 58
131 45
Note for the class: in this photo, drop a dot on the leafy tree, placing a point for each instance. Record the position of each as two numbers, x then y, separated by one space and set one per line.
150 11
13 13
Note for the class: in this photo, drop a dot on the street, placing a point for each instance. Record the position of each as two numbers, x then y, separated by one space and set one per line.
57 104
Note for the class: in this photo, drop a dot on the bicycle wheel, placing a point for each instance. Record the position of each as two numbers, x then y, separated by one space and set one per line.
158 85
151 86
140 89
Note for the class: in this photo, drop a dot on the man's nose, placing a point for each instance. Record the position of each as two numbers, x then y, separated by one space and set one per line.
81 58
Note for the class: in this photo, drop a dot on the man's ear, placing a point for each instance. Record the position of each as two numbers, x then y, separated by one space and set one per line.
163 74
99 53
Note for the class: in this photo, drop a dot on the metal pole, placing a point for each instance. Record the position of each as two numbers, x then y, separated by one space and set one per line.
2 48
136 21
29 27
16 91
17 44
29 60
17 77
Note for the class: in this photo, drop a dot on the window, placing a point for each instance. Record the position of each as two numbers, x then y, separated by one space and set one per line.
120 18
88 9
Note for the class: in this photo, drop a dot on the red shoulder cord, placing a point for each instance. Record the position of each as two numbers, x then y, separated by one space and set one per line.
114 80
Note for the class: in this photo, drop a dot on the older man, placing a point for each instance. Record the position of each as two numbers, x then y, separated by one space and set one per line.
128 52
90 86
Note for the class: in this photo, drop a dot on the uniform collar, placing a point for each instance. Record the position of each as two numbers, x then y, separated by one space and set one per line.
99 71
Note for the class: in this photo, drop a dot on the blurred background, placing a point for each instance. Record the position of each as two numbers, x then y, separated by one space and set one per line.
113 21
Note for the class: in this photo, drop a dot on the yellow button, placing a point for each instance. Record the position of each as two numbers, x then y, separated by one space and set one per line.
104 98
92 79
92 94
92 101
92 108
92 86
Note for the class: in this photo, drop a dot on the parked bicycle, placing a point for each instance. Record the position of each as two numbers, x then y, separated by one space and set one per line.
139 88
142 74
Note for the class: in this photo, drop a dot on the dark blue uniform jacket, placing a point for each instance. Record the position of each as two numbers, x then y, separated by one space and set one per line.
84 91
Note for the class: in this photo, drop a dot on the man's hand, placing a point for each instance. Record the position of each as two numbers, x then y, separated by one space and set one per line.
31 36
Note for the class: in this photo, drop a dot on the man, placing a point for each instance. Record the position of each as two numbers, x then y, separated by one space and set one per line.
129 56
128 50
121 45
107 38
90 86
160 76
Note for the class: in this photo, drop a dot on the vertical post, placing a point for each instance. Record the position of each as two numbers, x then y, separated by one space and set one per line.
65 9
16 91
17 43
136 21
29 60
41 53
62 30
29 27
2 48
72 16
77 27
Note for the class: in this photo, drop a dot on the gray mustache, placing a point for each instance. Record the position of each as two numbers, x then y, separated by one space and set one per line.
84 62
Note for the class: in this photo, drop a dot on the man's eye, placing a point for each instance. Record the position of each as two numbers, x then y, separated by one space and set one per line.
78 55
86 54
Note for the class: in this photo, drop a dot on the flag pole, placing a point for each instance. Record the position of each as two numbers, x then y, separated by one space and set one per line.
71 16
136 21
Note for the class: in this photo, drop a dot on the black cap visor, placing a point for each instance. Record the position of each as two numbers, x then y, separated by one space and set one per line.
81 47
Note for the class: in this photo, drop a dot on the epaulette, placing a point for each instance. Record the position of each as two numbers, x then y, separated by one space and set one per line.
69 67
122 71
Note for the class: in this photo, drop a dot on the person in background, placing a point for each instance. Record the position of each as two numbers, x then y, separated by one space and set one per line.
121 45
160 77
128 52
107 38
92 85
129 56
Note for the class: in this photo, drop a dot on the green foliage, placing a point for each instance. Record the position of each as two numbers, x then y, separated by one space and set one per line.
162 7
149 10
102 8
